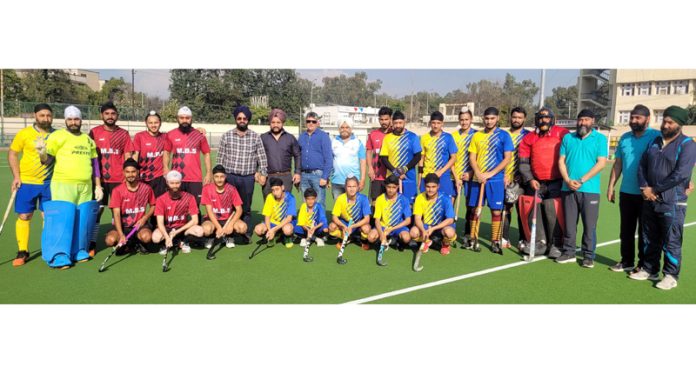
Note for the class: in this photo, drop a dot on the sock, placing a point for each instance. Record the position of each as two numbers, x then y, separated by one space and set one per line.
22 233
95 233
495 227
467 223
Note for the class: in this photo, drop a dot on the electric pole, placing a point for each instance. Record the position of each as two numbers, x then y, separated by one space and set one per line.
132 96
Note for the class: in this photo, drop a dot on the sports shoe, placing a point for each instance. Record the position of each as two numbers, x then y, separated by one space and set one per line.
522 247
303 242
468 243
566 258
667 283
163 251
141 249
495 249
92 249
244 239
229 242
21 259
425 246
288 243
185 248
319 241
588 263
620 267
209 243
505 244
554 252
643 275
445 250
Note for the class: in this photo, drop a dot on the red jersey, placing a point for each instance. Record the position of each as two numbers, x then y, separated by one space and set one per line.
543 151
222 203
150 149
374 143
176 212
111 147
186 149
132 204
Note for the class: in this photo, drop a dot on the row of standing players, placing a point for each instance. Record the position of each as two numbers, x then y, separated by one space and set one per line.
500 161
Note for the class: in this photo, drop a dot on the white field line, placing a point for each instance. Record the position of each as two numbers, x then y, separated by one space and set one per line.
467 275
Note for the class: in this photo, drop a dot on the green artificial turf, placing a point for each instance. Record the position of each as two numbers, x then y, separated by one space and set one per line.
278 275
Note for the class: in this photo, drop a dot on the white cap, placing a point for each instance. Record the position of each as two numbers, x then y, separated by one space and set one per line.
347 121
173 175
72 112
184 110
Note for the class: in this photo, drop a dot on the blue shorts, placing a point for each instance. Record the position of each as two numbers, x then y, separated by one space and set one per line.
396 232
447 185
301 232
29 194
410 190
493 196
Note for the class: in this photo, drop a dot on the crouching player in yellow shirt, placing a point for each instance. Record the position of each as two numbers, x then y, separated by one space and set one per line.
434 216
278 211
354 207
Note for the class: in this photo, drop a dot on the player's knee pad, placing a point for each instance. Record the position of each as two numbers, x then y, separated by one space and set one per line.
85 223
57 235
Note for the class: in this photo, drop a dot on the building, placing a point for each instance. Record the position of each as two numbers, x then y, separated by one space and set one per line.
86 77
617 91
451 114
333 114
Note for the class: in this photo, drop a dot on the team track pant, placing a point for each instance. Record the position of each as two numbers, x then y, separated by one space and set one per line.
663 228
585 206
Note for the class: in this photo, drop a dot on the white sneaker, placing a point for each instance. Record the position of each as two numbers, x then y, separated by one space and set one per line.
163 251
643 275
319 241
185 248
667 283
303 242
209 243
229 242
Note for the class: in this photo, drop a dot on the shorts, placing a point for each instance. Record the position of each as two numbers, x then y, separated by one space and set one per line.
447 185
494 194
193 187
158 185
134 237
76 193
29 194
300 232
395 233
377 188
438 233
108 188
409 190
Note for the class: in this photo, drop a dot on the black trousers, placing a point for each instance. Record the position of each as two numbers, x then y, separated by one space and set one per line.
663 231
245 187
630 207
585 206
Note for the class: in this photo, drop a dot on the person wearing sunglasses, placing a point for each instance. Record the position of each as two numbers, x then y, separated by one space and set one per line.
317 158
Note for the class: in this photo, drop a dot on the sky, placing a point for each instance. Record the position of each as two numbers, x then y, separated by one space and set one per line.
395 82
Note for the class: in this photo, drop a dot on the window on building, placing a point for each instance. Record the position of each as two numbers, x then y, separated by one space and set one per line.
624 117
659 114
681 87
662 88
627 89
644 89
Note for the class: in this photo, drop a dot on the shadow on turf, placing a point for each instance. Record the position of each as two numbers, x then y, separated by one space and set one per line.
31 257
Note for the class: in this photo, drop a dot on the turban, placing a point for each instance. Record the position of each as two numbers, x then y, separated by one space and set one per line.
242 109
40 107
678 114
274 113
185 111
641 110
72 112
586 113
173 175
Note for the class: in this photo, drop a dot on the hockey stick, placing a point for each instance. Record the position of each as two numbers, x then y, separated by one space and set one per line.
456 203
211 251
165 267
401 187
261 243
113 251
340 259
423 248
305 255
384 246
532 238
476 222
7 210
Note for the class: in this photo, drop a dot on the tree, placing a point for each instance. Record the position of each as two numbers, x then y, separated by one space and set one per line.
692 115
351 91
563 102
54 86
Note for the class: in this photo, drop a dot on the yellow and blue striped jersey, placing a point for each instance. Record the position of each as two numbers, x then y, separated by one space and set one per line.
512 168
352 211
462 140
31 171
399 150
434 211
490 150
391 213
436 151
279 210
305 218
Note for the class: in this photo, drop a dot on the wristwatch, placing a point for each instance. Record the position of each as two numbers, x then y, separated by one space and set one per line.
263 173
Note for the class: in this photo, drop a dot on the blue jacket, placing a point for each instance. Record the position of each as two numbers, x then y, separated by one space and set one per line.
667 169
316 152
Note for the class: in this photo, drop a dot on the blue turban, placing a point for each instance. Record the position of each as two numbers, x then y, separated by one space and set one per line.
242 109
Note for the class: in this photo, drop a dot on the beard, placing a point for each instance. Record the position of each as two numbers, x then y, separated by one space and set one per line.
110 122
668 133
583 130
44 125
397 131
635 127
175 194
185 127
516 125
274 130
74 129
242 127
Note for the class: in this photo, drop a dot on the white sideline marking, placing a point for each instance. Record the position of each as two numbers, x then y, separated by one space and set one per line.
465 276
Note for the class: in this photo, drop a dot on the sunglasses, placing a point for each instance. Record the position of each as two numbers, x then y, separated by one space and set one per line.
311 121
245 119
